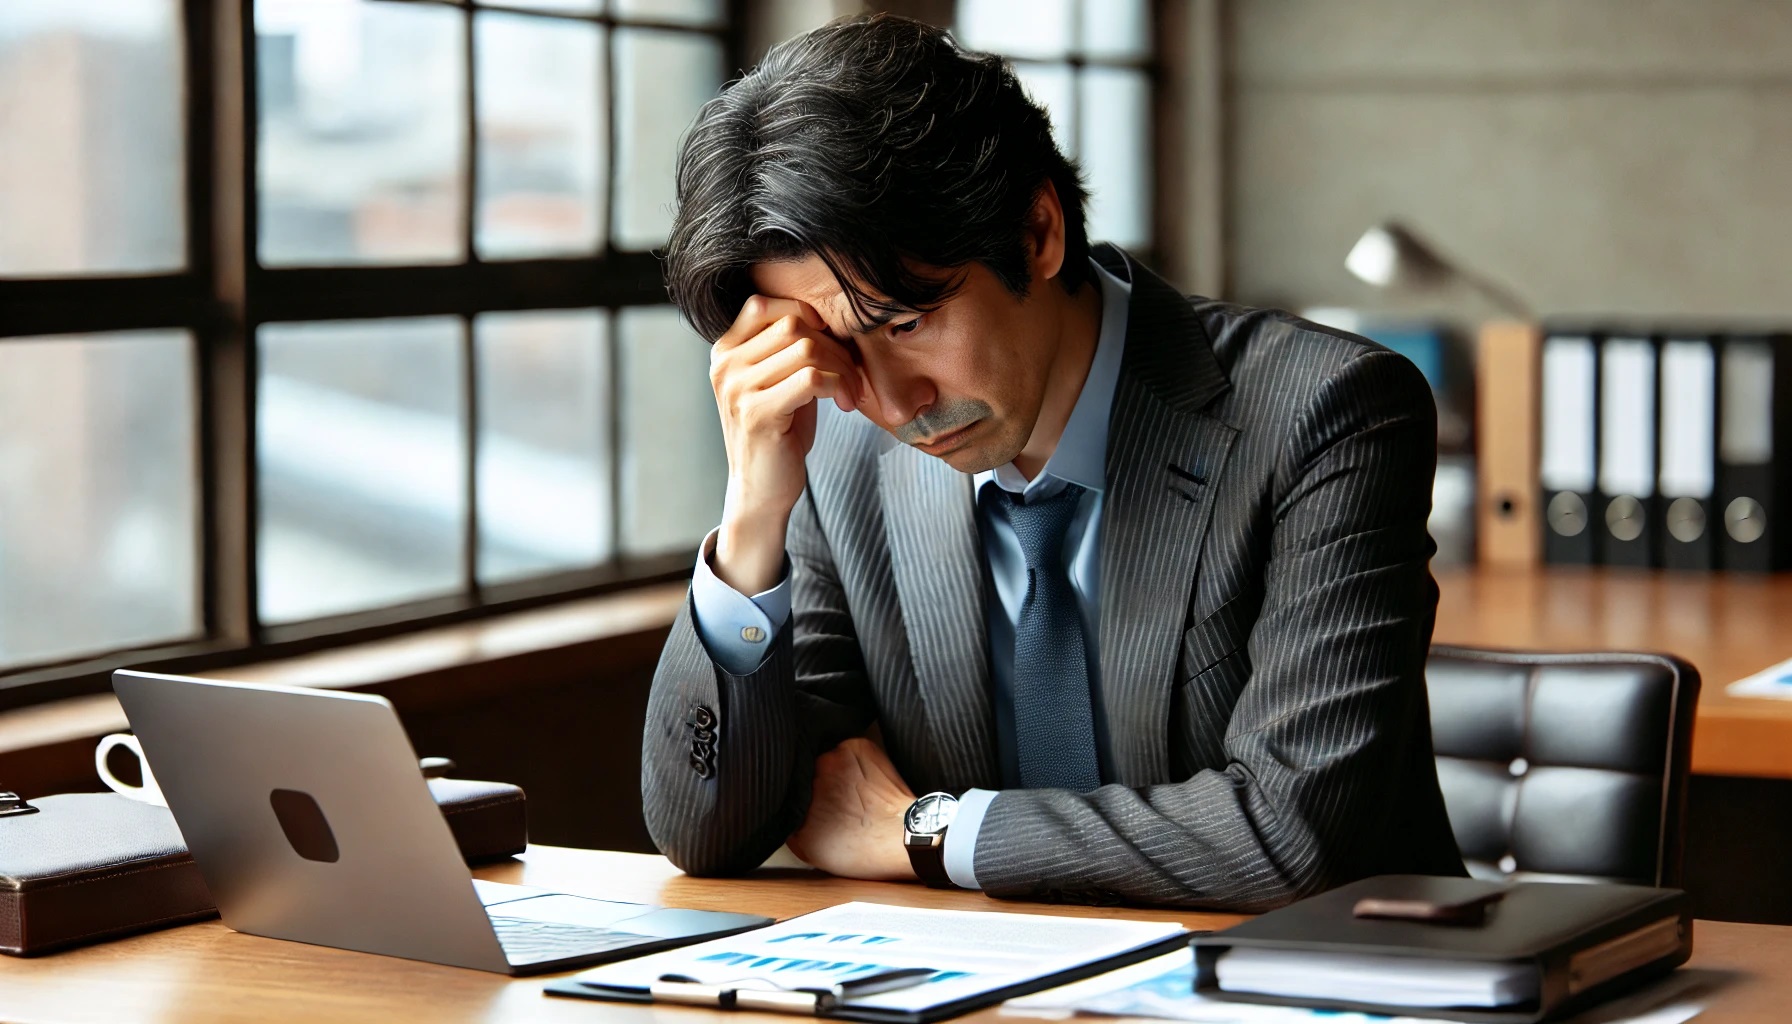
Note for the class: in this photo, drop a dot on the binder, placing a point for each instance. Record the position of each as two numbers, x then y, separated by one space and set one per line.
1570 944
1627 452
1755 387
1508 514
1687 528
1569 436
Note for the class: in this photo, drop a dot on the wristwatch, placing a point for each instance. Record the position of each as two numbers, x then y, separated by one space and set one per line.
924 836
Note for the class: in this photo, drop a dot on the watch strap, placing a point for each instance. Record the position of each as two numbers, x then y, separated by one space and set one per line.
929 861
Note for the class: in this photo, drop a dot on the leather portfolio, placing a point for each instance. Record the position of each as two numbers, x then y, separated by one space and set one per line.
1542 949
91 866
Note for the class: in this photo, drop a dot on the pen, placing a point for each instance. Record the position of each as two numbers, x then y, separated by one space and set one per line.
882 981
682 988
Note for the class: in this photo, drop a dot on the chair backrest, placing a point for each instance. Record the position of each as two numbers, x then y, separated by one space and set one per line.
1568 767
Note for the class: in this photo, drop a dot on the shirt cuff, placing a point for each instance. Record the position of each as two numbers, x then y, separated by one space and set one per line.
736 630
961 837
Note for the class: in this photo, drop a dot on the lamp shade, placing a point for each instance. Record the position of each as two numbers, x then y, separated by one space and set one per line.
1390 256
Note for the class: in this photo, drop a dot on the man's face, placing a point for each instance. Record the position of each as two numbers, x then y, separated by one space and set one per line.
963 383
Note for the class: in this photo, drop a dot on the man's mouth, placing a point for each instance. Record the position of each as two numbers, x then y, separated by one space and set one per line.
948 442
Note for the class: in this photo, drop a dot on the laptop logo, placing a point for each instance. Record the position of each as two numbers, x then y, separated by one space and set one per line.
303 822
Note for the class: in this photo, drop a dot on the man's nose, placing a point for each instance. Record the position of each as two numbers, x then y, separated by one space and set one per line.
900 397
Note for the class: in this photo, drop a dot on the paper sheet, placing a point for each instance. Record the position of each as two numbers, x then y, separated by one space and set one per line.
972 951
1769 682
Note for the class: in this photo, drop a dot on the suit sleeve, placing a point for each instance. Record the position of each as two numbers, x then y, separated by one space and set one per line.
728 759
1320 735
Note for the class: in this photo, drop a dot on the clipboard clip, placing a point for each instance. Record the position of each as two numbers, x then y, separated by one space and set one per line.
749 993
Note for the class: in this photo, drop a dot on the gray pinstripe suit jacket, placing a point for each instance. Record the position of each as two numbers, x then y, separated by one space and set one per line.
1266 608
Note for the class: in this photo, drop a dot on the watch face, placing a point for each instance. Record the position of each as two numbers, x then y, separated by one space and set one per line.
931 814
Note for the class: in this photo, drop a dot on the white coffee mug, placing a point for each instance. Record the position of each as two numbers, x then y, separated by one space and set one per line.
149 792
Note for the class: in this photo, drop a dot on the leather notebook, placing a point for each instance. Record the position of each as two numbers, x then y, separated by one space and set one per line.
91 866
1536 950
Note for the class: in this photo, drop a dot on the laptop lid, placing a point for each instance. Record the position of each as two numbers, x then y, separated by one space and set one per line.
308 818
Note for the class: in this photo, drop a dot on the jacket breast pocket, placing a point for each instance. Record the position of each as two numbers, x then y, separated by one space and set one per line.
1214 670
1212 640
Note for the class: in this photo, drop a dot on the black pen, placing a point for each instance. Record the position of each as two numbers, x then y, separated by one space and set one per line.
883 981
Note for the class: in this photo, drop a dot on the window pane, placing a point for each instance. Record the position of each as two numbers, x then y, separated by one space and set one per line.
541 136
362 132
363 476
1116 154
682 12
1040 29
98 514
662 79
544 463
92 165
1051 86
674 467
1115 29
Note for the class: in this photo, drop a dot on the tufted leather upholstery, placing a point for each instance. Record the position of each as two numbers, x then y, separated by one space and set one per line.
1568 767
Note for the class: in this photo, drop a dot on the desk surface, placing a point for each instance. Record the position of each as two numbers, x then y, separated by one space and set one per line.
1729 626
206 972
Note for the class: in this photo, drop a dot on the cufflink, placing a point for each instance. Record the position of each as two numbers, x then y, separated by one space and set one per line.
752 634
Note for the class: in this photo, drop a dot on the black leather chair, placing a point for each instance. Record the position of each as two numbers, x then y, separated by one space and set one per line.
1564 767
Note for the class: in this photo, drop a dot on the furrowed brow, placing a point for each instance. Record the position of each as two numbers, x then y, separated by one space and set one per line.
876 320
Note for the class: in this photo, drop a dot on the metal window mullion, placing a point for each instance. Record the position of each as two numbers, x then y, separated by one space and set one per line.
225 342
469 373
613 420
469 385
611 428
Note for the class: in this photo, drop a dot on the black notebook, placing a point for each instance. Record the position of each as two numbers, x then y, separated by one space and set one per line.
1514 954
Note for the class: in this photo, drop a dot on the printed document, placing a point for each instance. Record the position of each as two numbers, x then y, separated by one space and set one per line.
970 952
1774 681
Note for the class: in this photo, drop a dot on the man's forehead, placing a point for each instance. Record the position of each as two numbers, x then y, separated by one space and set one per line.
807 280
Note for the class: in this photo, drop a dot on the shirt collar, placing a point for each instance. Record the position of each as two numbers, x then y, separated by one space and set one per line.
1082 453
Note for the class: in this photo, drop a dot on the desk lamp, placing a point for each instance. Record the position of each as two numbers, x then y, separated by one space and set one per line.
1389 255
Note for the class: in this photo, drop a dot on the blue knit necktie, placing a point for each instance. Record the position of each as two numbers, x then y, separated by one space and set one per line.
1054 724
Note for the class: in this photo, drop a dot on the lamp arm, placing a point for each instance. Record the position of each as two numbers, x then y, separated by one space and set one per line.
1500 295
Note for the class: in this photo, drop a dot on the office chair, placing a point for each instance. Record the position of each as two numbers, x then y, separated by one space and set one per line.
1564 767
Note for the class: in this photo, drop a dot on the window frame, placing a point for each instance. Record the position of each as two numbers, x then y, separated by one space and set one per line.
224 294
1161 125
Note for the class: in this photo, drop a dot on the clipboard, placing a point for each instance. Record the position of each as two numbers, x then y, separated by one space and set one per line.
739 974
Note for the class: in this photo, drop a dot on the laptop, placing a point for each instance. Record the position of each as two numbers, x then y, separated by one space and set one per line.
308 818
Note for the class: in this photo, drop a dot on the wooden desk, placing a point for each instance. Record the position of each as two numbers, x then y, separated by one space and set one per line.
1728 626
206 972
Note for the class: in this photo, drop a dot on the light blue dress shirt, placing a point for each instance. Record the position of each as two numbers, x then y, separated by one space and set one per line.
738 630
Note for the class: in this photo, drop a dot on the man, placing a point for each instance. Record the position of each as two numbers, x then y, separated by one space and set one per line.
1139 582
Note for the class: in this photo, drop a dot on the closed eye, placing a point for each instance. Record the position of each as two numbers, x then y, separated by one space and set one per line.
907 328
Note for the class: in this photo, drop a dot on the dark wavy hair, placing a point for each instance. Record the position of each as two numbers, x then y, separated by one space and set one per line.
879 145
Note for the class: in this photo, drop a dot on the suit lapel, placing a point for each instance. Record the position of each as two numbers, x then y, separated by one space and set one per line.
1165 459
936 557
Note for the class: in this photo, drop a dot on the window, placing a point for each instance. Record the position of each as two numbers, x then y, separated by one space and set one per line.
323 317
1088 63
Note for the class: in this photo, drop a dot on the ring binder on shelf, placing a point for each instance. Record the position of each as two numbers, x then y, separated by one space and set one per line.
1753 424
1688 454
1508 520
1626 452
1570 433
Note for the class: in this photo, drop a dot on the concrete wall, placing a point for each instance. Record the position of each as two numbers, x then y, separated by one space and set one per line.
1597 156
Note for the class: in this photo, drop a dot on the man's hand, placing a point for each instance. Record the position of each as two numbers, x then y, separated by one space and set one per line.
768 370
854 828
